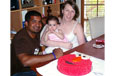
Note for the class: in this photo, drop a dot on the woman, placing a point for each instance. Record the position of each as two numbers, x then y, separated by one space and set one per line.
70 27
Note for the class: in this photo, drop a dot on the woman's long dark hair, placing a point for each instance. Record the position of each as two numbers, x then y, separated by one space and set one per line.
74 6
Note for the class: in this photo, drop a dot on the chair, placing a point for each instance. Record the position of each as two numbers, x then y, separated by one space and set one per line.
96 27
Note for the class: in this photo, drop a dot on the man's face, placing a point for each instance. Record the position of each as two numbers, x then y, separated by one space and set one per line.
35 24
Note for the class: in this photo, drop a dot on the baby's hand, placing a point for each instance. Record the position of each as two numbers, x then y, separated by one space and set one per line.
48 31
59 30
52 31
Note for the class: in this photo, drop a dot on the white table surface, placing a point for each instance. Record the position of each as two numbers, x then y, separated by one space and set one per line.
50 69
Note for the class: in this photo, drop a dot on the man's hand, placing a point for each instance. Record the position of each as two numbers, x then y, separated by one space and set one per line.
58 52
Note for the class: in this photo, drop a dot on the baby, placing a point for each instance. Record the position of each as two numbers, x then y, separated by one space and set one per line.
53 33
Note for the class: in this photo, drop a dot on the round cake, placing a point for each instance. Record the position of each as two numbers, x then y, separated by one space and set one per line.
75 66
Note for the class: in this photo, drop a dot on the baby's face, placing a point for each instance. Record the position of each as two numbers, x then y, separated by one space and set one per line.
52 25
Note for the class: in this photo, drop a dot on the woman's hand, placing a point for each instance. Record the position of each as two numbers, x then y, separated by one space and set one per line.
68 45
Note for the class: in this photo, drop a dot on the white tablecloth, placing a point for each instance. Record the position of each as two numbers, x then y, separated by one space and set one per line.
51 68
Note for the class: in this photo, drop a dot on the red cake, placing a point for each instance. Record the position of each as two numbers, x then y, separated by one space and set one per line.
74 66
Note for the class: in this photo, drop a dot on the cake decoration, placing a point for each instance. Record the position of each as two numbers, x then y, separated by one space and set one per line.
76 59
74 65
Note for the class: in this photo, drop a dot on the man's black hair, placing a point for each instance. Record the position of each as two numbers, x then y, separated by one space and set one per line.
31 13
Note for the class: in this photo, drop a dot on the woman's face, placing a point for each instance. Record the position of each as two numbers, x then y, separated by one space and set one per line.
68 12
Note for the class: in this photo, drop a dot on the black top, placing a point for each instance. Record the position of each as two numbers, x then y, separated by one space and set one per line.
22 43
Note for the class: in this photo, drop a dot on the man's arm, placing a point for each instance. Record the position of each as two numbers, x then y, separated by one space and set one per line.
30 60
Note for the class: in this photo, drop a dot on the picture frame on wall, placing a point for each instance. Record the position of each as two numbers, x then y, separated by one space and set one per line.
27 3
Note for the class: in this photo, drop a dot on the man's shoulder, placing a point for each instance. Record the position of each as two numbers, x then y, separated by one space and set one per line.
19 36
20 33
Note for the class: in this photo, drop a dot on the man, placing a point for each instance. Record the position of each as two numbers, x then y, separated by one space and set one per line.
25 46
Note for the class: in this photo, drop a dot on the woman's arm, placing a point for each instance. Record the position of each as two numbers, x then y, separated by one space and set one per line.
80 34
67 45
46 35
43 34
48 42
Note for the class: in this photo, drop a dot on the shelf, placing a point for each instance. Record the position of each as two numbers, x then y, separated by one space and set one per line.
17 17
15 11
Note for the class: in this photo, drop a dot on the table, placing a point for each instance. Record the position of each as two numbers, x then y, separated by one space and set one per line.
89 50
86 48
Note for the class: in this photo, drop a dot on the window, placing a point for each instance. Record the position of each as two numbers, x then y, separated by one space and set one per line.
92 8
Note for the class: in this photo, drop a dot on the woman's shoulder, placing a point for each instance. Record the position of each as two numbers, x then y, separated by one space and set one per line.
78 27
77 24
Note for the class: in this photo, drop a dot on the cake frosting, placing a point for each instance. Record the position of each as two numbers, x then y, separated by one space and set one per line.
74 66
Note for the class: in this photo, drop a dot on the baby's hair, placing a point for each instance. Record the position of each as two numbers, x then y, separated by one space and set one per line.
52 18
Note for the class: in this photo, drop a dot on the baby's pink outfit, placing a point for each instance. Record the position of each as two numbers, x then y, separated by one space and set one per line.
53 37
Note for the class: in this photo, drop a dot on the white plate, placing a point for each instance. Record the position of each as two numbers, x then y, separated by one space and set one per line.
98 46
